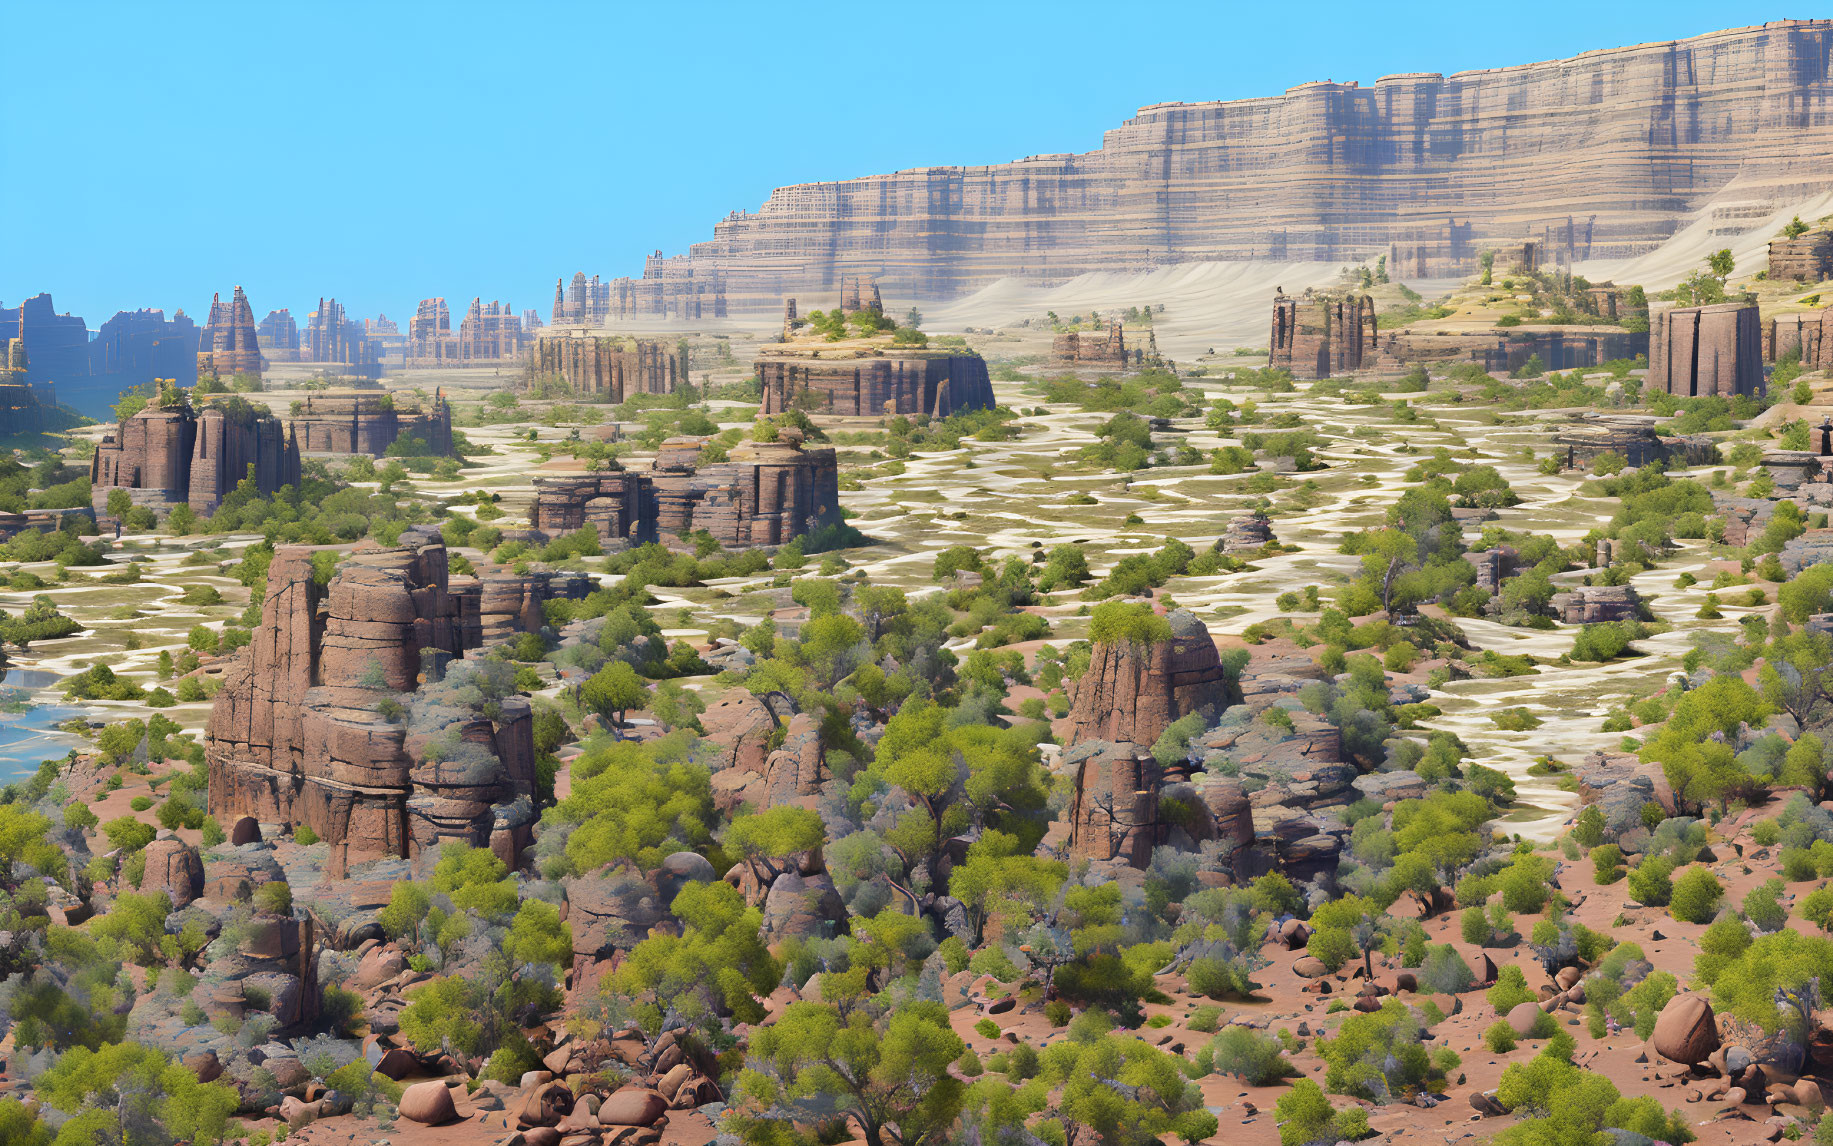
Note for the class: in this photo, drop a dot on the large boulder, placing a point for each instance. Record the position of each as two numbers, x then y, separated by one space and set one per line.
1524 1017
428 1103
544 1104
681 869
1686 1031
1132 691
795 772
174 867
802 906
378 966
610 911
632 1106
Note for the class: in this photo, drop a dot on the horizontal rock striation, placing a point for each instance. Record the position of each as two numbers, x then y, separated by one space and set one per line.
351 712
871 381
363 423
230 339
765 494
1807 335
1601 156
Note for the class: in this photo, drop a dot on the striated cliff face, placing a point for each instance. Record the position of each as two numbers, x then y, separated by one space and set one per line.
766 494
1600 156
1131 693
349 713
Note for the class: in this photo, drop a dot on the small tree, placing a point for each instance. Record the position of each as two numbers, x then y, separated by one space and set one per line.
613 691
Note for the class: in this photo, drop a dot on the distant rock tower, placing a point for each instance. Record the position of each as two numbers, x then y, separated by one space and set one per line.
231 338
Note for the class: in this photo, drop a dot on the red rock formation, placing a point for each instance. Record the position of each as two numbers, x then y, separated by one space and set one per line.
165 455
1808 335
1114 815
1699 350
869 381
1130 693
230 338
1805 258
615 367
368 423
765 494
1110 351
487 333
1316 335
348 712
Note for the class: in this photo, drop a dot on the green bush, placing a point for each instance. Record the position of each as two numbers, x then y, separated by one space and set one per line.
987 1029
1499 1037
1650 883
1253 1057
1696 896
1607 863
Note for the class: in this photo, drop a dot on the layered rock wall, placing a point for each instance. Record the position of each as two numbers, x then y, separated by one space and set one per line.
1110 350
872 381
347 712
369 424
230 338
1318 335
162 456
1804 258
765 494
1604 155
332 337
616 367
1808 336
1696 351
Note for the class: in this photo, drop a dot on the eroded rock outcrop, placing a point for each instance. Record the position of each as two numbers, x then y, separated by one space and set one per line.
765 494
363 423
614 367
167 454
1131 691
868 380
351 713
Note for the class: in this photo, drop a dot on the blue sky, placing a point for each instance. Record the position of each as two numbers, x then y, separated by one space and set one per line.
385 152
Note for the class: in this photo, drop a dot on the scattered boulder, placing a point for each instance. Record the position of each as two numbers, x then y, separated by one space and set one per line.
245 831
1524 1018
632 1106
428 1103
174 867
1309 967
545 1105
1686 1031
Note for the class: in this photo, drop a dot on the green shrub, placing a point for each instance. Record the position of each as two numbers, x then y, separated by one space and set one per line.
1254 1057
1607 863
1499 1037
1696 896
1650 883
1057 1012
987 1029
1205 1019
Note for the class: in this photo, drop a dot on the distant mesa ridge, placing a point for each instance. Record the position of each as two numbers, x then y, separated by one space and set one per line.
1602 156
